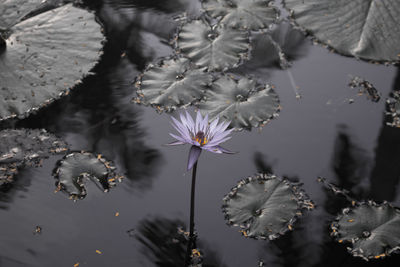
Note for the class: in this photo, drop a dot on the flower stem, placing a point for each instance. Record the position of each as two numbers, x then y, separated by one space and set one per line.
192 237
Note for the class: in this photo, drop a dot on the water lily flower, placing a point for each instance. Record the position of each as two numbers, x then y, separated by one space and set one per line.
201 134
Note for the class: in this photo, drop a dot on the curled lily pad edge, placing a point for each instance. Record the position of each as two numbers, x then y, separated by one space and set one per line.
315 41
302 199
112 175
334 228
66 91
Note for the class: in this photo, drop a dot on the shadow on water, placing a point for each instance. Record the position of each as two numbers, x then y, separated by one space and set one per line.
385 174
164 243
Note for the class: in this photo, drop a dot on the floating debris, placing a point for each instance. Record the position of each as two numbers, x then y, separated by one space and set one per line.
365 87
370 230
265 206
38 230
99 252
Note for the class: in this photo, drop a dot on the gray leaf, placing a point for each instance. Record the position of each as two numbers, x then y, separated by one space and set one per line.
370 230
25 147
215 47
45 56
171 84
245 14
366 29
75 167
265 206
242 101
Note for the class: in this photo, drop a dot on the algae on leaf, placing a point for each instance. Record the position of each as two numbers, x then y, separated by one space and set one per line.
244 14
242 101
367 29
44 54
265 206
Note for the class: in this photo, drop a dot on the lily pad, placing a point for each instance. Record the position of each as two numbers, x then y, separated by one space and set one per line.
265 206
23 148
215 47
171 84
245 14
366 29
75 167
370 230
242 101
44 55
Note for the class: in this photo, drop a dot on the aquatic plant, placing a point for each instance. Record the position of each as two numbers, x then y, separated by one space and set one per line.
43 53
265 206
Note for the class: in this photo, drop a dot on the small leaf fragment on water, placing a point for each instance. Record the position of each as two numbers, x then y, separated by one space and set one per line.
365 87
116 214
76 264
98 252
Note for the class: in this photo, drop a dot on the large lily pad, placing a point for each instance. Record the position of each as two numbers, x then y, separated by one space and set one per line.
242 101
370 230
215 47
74 168
366 29
25 147
45 54
244 14
265 206
171 84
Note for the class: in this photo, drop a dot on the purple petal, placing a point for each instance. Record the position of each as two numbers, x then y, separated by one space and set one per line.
176 143
179 138
213 124
190 121
194 155
226 151
199 118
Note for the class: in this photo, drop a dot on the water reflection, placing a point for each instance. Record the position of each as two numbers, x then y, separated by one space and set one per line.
164 243
385 175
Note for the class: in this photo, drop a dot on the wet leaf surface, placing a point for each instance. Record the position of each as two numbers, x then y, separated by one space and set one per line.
23 148
74 168
370 230
45 55
366 29
171 84
215 47
241 100
245 14
264 206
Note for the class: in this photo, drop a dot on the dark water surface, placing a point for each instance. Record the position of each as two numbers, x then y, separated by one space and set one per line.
320 134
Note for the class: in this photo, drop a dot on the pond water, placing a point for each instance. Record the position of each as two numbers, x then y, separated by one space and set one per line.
320 134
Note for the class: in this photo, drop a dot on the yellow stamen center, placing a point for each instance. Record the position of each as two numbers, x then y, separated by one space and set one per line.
200 138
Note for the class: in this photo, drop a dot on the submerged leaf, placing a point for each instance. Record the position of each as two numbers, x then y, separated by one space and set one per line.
44 56
75 167
25 147
265 206
242 101
245 14
370 230
215 47
366 29
171 84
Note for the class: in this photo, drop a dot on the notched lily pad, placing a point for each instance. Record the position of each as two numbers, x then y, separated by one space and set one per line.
25 148
72 170
393 109
171 84
264 206
242 101
245 14
215 47
367 29
370 230
44 55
